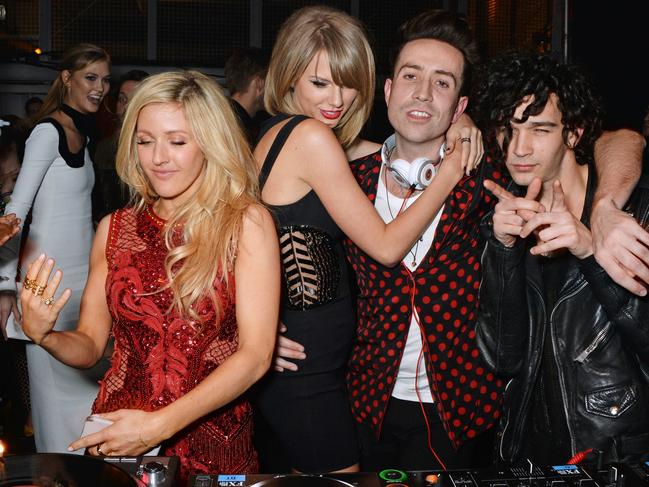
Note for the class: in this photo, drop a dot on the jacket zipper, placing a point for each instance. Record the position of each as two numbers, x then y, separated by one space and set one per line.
581 358
562 383
502 456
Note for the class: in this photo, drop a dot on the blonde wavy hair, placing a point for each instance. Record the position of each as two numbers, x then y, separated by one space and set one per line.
201 256
306 32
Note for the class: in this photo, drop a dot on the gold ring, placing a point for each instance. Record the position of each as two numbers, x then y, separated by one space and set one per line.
99 449
49 301
38 290
465 139
29 283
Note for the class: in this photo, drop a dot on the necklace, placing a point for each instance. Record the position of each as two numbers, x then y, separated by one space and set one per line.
411 252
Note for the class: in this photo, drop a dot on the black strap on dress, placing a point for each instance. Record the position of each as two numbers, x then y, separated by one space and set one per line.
277 145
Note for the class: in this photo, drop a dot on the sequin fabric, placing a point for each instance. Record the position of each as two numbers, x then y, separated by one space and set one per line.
159 356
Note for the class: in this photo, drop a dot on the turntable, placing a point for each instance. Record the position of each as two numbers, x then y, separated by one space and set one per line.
360 479
65 470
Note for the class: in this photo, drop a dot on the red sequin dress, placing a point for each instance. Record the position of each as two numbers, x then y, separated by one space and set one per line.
159 356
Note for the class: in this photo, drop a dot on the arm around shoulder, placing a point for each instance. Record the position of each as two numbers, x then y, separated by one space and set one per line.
323 166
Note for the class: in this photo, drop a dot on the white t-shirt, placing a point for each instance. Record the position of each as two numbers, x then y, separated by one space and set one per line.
388 206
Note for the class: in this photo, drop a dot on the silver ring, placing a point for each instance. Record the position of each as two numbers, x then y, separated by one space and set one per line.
465 139
99 449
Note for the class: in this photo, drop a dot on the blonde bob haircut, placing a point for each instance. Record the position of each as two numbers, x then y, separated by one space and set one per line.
202 233
303 35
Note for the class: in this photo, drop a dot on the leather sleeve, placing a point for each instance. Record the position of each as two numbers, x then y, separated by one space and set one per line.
629 313
502 327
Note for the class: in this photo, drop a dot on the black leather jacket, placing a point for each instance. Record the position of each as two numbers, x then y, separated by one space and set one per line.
600 339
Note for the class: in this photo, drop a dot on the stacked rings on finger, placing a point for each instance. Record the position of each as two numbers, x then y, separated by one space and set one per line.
48 301
29 284
38 290
465 139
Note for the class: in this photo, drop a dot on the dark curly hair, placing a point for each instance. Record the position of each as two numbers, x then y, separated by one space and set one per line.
507 79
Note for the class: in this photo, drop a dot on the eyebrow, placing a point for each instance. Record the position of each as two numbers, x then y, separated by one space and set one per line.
168 132
540 123
97 74
421 68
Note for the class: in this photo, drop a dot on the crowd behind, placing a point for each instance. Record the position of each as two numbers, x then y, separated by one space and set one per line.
246 283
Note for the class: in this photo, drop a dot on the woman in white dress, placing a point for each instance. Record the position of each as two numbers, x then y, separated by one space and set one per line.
55 182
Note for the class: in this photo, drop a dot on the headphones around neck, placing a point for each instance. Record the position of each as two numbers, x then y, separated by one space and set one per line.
417 174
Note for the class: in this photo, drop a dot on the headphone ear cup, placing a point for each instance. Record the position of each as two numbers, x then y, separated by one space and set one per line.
422 171
400 170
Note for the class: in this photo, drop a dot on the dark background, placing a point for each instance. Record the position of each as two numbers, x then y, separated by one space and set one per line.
612 40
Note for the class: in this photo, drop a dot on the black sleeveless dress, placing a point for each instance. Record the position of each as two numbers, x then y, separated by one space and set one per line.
309 409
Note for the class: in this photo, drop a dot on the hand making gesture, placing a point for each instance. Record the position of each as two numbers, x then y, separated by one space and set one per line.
40 309
512 212
561 229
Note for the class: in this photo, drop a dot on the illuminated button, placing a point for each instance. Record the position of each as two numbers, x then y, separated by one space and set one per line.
392 475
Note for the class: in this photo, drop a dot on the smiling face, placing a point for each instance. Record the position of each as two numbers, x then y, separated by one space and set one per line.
317 96
423 96
169 155
86 87
537 147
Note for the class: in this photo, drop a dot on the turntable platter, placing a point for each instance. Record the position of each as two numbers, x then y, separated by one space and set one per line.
302 480
61 470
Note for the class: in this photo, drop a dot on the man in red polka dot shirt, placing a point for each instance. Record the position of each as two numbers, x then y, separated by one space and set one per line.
418 389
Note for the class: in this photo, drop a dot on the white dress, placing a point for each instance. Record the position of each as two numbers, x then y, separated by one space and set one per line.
59 197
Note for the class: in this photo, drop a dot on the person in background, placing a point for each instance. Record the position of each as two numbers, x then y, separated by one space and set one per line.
32 107
186 280
245 75
572 344
54 184
109 193
13 133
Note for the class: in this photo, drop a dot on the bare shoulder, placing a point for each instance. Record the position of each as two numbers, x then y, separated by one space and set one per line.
257 214
361 148
257 222
308 136
312 135
101 234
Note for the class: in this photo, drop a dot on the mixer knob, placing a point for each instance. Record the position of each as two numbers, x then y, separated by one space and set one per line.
153 474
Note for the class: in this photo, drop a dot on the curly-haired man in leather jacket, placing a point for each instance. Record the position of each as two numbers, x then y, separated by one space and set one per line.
573 345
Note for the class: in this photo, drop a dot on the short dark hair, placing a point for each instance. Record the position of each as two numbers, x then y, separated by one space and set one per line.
445 26
243 65
132 75
33 99
513 75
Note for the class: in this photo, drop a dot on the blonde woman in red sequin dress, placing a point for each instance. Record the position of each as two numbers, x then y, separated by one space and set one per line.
188 341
